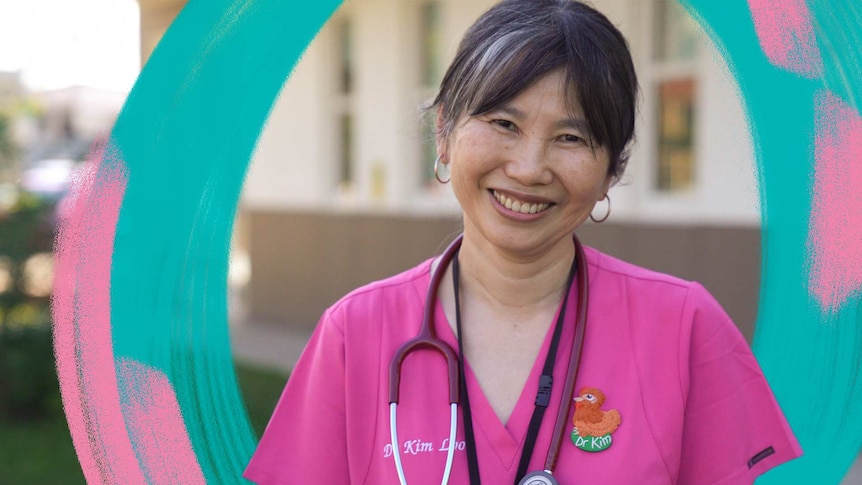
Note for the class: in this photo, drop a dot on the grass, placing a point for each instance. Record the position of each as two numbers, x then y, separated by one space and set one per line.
260 390
40 452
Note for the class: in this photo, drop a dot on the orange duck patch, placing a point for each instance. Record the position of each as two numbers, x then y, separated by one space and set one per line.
593 427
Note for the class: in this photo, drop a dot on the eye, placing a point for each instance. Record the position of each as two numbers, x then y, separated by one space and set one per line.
505 124
590 397
570 138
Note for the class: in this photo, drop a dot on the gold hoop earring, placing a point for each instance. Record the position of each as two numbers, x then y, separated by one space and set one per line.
437 171
607 214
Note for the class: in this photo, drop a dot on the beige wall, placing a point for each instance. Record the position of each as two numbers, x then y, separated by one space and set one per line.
156 17
304 261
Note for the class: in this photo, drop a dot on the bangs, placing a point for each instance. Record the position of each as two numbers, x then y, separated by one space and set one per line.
519 41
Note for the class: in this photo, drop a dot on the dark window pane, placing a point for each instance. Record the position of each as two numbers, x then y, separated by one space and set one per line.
345 158
430 44
675 134
346 47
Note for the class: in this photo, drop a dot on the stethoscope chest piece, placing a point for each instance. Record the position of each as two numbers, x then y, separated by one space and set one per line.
539 478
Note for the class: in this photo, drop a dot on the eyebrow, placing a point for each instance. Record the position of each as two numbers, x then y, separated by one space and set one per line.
579 124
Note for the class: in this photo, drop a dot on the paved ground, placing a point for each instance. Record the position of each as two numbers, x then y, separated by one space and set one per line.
273 347
855 475
266 345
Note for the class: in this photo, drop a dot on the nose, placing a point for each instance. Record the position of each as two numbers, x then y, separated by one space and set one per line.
528 163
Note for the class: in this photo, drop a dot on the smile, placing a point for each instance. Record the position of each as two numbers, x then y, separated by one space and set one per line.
519 205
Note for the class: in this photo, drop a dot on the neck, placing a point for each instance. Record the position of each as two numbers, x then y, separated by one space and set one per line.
515 283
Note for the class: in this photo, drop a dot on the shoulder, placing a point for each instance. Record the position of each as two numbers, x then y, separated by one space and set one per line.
669 319
620 281
611 267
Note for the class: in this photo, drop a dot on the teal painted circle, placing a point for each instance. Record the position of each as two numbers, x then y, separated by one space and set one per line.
803 350
189 127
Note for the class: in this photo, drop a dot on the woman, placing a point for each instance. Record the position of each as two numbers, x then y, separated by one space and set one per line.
534 117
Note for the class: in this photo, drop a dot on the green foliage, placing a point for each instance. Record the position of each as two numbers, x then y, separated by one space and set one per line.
260 391
28 382
28 379
38 453
9 150
27 228
35 445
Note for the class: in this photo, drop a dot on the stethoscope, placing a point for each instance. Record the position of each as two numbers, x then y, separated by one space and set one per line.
426 339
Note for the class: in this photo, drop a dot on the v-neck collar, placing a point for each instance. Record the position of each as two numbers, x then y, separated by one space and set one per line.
507 440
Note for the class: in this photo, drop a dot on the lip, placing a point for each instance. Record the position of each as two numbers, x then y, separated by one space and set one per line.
533 199
520 216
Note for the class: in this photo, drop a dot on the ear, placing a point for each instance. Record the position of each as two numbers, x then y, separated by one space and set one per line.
606 186
441 140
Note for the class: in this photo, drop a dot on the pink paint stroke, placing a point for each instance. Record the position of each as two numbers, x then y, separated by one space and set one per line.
835 229
786 35
156 426
82 322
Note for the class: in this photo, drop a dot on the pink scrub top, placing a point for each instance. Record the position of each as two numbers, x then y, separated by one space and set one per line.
693 403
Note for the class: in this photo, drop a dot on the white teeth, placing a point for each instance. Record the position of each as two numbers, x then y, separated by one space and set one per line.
519 206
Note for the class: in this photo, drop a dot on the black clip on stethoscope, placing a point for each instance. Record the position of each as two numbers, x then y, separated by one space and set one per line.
427 339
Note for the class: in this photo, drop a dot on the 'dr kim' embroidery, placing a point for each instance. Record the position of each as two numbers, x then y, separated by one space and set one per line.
593 427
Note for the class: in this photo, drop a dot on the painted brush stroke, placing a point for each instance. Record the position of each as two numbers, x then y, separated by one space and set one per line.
786 35
187 133
82 325
156 427
142 337
836 213
800 347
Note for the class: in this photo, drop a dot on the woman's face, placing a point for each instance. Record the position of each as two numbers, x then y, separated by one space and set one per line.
525 174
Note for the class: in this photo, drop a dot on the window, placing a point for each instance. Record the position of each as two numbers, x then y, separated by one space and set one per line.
675 137
345 137
346 63
676 37
343 115
430 44
431 73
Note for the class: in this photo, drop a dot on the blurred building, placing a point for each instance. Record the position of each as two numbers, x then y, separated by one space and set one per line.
44 134
11 129
10 88
69 120
341 190
57 123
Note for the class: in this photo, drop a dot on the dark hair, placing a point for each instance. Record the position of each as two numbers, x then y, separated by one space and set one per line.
516 42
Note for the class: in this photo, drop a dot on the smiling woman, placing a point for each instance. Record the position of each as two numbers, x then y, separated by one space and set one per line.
535 117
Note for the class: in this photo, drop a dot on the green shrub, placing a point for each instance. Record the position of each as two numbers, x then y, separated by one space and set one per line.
28 378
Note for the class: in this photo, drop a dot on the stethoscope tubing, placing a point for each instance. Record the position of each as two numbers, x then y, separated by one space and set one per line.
450 453
426 338
574 361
